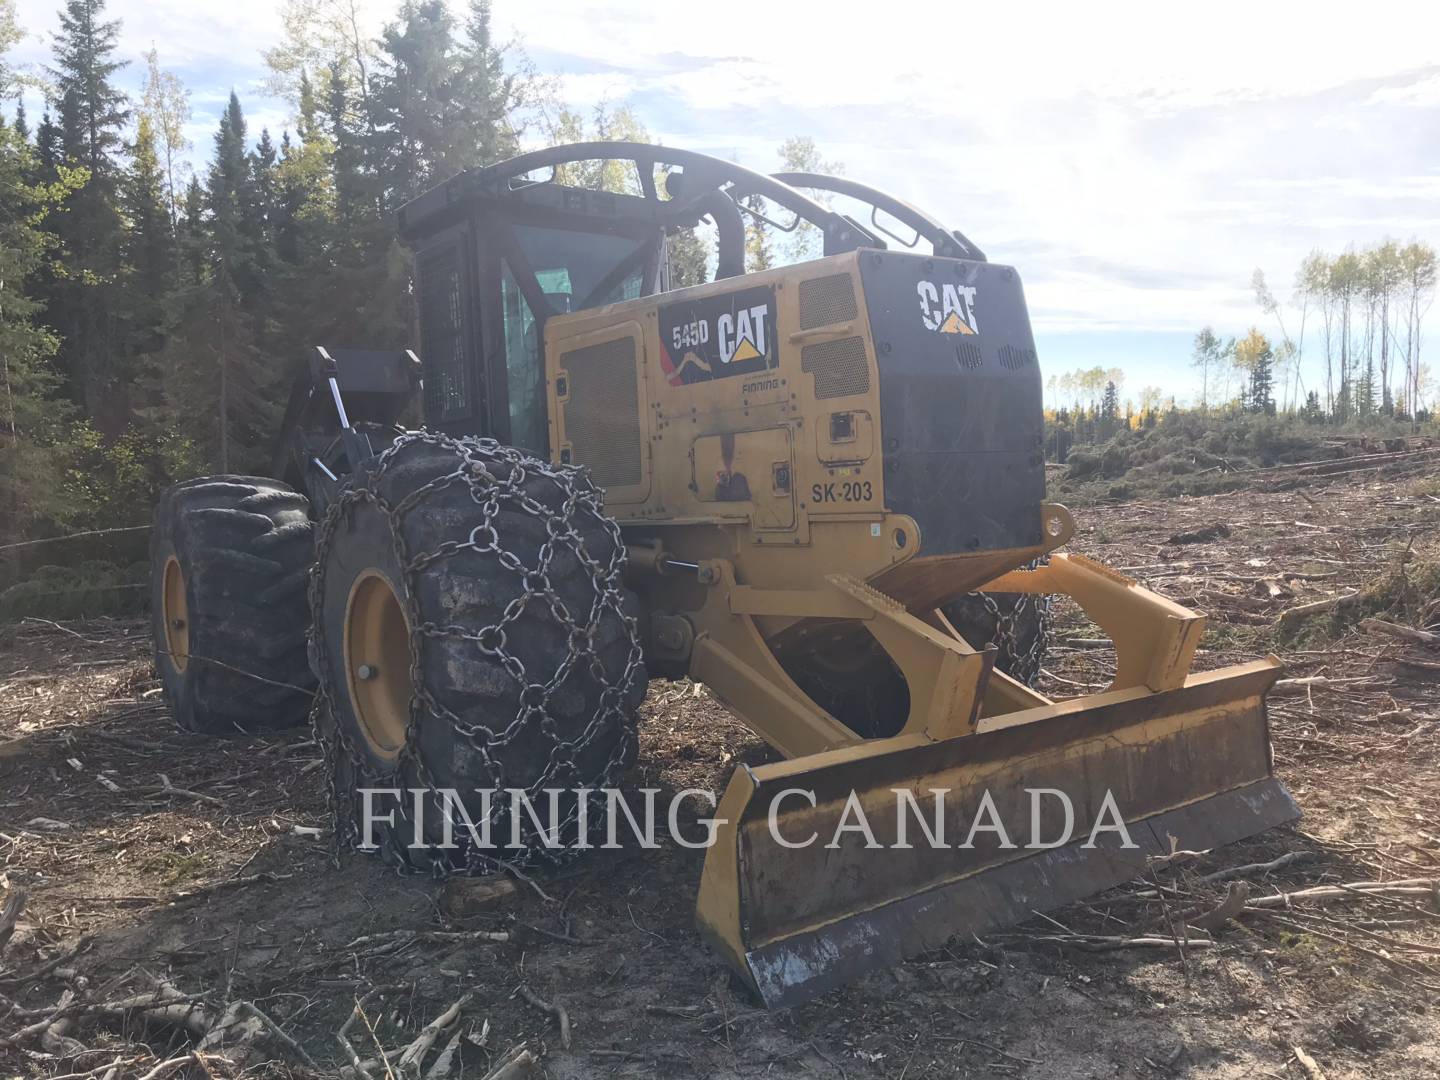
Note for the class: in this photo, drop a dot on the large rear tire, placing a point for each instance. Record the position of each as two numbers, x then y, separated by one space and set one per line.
230 557
471 633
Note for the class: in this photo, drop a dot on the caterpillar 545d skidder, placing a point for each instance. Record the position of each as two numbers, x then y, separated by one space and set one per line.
823 497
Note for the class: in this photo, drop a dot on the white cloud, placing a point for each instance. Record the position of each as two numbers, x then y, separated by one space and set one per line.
956 57
190 35
1159 144
1423 92
1135 160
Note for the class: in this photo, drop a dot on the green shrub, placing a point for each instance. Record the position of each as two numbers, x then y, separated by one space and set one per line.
85 590
1114 461
1083 465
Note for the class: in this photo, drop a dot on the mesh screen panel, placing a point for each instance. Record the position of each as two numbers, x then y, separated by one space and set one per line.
826 300
838 366
442 328
602 415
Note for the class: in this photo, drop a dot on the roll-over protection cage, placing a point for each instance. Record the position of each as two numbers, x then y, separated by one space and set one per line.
484 243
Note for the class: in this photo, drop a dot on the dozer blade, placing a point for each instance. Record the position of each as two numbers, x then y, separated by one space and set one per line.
1188 768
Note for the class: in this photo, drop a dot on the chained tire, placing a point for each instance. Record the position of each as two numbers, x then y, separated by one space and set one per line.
1017 624
855 681
471 633
230 558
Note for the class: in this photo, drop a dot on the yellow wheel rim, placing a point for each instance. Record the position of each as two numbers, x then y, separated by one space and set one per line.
377 662
176 613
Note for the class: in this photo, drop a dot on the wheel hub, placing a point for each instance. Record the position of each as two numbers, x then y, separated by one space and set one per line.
175 611
377 662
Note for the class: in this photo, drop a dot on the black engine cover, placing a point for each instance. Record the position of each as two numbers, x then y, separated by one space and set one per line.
961 411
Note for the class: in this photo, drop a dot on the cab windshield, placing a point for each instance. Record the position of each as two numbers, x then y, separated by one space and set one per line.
573 270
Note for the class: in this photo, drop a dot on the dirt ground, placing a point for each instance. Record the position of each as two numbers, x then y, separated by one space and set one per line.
153 856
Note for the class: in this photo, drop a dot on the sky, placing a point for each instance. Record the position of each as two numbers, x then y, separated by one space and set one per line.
1135 162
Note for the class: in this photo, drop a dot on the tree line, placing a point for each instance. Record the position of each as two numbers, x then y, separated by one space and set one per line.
1360 314
152 321
152 317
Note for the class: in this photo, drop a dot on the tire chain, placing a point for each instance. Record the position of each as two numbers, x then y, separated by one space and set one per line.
475 458
1009 629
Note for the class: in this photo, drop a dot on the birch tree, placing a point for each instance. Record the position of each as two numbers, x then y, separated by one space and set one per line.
165 103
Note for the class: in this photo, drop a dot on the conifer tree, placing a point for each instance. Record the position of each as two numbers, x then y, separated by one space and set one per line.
92 114
351 185
149 247
244 402
93 111
489 96
413 99
47 147
190 235
31 422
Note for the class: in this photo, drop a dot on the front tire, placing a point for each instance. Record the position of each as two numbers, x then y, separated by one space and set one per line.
471 633
229 558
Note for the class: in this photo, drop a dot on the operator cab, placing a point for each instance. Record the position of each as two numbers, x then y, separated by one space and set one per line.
489 278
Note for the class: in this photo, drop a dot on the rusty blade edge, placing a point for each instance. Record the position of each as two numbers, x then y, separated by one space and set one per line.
799 967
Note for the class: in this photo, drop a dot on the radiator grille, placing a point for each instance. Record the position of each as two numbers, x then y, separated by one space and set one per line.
1014 359
442 328
838 366
826 300
967 355
602 416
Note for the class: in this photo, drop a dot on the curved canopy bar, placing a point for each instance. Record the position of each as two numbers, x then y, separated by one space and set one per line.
688 192
950 243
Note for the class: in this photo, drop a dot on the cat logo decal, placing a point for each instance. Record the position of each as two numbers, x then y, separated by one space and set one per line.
947 308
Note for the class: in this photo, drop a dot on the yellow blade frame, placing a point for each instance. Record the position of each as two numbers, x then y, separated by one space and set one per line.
1182 759
1187 768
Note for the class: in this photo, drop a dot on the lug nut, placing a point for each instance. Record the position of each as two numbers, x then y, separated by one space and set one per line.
367 671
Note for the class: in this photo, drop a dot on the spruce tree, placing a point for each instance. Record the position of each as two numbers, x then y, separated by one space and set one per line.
288 200
415 117
1109 410
149 250
310 305
351 185
93 111
262 167
367 294
1261 390
488 97
230 194
261 212
190 235
31 422
308 110
92 115
244 406
187 369
1365 390
47 147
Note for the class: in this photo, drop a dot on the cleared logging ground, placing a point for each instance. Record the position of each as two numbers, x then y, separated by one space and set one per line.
161 866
